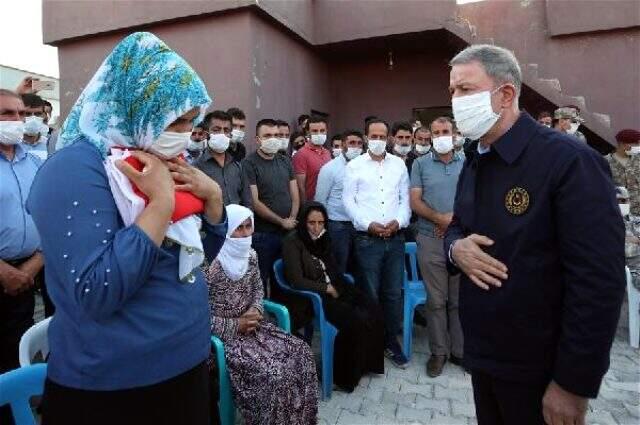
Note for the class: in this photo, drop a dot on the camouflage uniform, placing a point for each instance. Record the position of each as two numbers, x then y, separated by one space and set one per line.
629 177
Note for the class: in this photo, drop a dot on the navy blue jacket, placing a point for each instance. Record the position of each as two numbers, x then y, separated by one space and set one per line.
548 202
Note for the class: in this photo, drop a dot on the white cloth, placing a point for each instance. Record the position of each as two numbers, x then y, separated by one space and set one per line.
235 252
377 191
185 232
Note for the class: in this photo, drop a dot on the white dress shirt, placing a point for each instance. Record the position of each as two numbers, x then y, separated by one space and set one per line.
377 191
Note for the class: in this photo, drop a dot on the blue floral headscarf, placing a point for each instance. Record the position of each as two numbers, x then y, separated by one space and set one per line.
140 88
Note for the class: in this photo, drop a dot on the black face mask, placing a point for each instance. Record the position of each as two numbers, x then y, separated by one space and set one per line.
298 147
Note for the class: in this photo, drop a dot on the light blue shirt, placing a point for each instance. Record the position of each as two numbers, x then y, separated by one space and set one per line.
18 235
38 149
329 188
438 182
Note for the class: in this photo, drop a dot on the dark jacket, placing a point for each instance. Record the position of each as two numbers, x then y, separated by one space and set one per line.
548 203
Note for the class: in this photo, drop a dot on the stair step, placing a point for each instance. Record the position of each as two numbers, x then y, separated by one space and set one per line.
578 101
603 119
553 83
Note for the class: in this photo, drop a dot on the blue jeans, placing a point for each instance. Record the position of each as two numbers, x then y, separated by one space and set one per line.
342 234
268 246
380 274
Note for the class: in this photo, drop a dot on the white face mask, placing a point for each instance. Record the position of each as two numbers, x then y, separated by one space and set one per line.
284 143
335 152
473 114
377 147
353 153
170 144
422 149
573 128
635 150
196 146
237 136
625 209
402 150
11 132
318 139
218 142
315 238
443 144
270 146
33 125
458 141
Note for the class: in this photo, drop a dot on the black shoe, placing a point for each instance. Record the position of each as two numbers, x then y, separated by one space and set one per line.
435 365
418 319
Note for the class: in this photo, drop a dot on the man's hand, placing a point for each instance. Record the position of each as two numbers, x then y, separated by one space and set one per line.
482 269
289 223
14 280
391 228
26 85
560 407
442 223
377 229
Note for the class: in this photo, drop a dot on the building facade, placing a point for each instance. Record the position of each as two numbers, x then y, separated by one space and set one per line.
353 58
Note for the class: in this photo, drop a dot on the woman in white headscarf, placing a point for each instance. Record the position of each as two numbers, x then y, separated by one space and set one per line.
272 373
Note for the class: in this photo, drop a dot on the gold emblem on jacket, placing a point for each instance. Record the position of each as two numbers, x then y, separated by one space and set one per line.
517 201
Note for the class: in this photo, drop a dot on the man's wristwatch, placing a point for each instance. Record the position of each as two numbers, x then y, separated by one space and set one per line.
450 254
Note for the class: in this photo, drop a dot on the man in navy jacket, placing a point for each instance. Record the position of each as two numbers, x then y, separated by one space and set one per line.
539 239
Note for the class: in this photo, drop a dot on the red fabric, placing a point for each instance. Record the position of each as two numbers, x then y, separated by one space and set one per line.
186 202
308 161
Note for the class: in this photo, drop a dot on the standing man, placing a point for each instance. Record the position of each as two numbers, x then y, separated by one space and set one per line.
625 166
421 142
36 131
273 196
376 198
402 139
284 132
217 163
329 193
20 258
433 188
566 120
308 161
545 119
197 143
541 284
238 127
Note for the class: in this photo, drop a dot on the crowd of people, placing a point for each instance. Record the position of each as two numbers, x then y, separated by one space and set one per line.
147 225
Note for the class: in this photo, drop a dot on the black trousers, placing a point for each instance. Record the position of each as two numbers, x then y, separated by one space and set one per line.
16 316
183 399
500 402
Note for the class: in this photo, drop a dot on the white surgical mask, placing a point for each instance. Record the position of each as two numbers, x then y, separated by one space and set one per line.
335 152
218 142
284 143
635 150
11 132
422 149
237 136
271 145
33 125
377 147
458 141
315 238
170 144
443 144
402 150
195 146
353 153
473 114
318 139
573 128
625 209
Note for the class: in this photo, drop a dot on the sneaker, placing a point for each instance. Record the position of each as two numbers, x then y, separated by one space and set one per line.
435 364
395 354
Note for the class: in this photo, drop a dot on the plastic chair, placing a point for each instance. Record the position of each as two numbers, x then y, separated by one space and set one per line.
634 313
34 341
226 406
414 294
18 386
328 332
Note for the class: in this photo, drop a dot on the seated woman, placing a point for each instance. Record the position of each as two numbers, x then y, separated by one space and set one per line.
309 265
272 373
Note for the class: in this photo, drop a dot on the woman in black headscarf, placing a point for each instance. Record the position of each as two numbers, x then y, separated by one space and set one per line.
309 265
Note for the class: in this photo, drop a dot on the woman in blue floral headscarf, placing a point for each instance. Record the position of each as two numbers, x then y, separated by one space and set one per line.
125 224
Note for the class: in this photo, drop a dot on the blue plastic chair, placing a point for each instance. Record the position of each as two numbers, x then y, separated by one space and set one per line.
226 406
18 386
414 295
328 332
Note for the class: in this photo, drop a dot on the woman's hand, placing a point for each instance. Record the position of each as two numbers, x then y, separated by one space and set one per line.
249 321
331 290
191 179
154 180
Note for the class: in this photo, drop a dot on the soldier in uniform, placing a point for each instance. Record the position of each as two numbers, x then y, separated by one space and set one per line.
538 236
625 165
567 120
